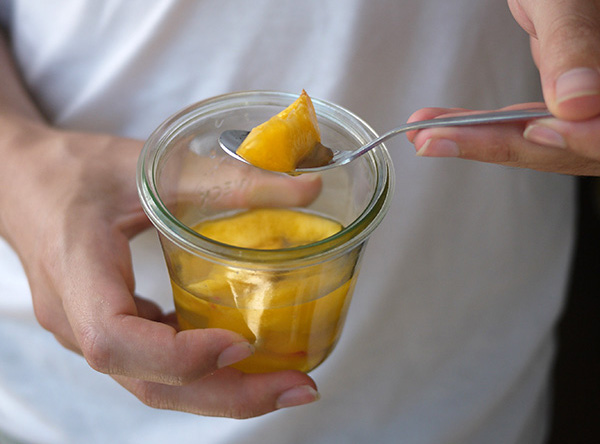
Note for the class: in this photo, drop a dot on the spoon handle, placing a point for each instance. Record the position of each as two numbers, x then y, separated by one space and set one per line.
471 119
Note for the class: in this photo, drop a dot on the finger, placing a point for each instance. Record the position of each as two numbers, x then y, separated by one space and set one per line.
228 393
501 144
521 16
275 190
576 136
225 183
148 309
432 113
427 114
171 319
49 312
113 338
568 53
50 315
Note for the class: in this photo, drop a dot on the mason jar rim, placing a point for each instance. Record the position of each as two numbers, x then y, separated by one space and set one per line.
184 237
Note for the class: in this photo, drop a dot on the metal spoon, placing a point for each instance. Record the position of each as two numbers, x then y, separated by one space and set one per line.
325 158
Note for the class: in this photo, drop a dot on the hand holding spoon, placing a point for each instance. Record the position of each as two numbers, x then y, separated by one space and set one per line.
324 158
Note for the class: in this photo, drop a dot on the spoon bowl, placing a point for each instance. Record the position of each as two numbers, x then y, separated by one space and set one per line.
324 158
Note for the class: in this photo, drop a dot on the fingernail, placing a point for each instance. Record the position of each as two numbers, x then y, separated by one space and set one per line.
439 148
544 135
578 82
303 394
234 353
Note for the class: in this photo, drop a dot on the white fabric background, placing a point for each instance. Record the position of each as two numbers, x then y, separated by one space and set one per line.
449 336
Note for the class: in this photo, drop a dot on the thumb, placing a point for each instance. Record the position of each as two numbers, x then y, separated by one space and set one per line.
566 45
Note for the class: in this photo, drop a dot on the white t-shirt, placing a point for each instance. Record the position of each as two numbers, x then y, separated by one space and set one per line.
449 335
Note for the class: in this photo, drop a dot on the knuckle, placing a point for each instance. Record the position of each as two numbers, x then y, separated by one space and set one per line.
44 318
500 152
150 394
95 349
186 374
178 378
574 24
512 155
576 30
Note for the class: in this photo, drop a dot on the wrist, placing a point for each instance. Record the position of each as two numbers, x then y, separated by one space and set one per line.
22 165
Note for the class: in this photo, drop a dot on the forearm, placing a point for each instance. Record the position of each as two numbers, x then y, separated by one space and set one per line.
22 126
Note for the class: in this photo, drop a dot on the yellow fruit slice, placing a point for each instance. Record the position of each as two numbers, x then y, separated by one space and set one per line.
293 317
269 228
280 143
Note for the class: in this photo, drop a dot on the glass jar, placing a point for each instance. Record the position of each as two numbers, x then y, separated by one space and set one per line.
290 301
